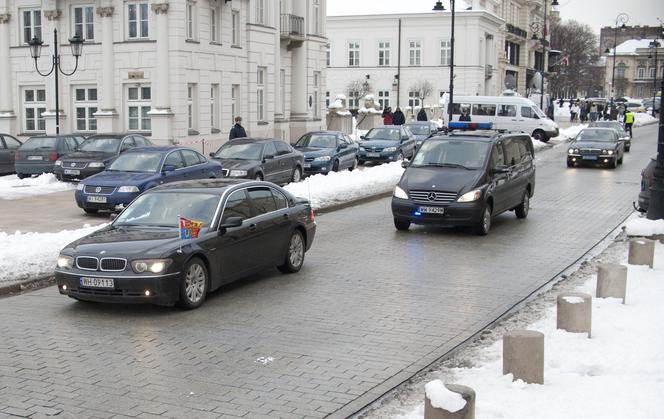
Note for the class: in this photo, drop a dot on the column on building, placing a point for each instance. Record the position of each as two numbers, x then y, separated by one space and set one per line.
107 117
51 23
7 116
278 108
299 82
161 113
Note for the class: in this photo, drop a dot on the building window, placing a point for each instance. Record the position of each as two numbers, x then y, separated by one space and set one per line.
539 61
327 99
512 52
191 20
32 25
641 73
383 53
328 55
139 103
34 105
316 104
84 22
316 17
85 106
282 89
384 98
445 53
260 12
137 20
415 51
353 54
413 98
652 72
353 99
214 24
214 107
235 101
260 93
236 28
191 106
621 69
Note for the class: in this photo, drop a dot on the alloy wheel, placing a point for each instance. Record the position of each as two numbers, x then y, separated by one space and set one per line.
195 283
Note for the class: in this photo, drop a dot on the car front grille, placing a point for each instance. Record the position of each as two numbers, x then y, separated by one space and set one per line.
309 159
87 263
374 149
101 190
433 196
74 164
107 292
590 151
225 172
91 263
113 264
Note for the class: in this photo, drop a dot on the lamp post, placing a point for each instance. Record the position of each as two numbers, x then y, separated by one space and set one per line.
538 28
621 19
656 205
655 45
438 7
76 43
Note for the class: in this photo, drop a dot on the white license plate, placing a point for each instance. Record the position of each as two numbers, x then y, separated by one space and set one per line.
589 157
97 282
72 172
373 154
432 210
307 165
98 199
35 158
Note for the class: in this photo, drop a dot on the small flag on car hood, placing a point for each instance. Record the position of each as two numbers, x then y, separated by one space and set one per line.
189 229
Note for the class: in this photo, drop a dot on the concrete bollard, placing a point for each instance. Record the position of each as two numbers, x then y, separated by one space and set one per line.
436 409
574 312
611 281
523 355
641 252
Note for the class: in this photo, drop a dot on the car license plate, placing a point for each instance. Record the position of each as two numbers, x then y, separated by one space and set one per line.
97 282
307 165
72 172
35 158
98 199
373 154
432 210
589 157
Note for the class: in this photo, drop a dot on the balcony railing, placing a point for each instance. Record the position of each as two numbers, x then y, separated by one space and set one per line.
292 26
515 30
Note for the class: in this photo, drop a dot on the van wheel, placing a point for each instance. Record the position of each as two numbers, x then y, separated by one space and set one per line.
482 228
521 211
401 224
539 135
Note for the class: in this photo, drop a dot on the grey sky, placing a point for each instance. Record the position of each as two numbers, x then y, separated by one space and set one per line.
596 13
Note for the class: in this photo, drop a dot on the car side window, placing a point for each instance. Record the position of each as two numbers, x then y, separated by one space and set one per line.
497 156
174 159
237 205
71 144
282 148
140 141
512 153
523 150
262 200
507 110
127 144
527 112
269 150
190 157
348 139
279 199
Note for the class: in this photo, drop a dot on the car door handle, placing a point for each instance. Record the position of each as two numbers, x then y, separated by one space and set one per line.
252 227
286 216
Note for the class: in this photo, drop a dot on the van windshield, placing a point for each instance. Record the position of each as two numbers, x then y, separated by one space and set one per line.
452 153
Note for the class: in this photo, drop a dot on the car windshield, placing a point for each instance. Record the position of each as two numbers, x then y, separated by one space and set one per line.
419 129
104 145
39 143
451 153
243 151
137 162
608 124
163 209
317 141
596 135
383 134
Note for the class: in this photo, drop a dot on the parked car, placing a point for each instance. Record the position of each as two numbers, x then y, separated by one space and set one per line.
465 179
623 135
327 151
648 104
38 154
635 106
647 181
422 130
596 146
387 143
8 147
142 257
96 153
261 159
139 169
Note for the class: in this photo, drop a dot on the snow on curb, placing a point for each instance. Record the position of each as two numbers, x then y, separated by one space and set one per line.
11 187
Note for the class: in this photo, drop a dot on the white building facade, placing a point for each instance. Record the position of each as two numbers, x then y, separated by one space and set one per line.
178 70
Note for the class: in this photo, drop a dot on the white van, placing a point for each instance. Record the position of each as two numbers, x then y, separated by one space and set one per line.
511 113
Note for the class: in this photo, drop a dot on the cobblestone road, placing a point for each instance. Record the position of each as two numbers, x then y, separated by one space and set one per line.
370 308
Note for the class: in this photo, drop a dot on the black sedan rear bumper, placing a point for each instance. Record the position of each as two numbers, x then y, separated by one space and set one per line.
455 214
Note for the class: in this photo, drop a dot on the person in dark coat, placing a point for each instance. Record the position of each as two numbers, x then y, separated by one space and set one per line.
465 116
422 115
398 118
387 116
238 130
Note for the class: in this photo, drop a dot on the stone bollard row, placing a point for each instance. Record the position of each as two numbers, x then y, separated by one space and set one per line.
641 252
523 355
611 281
574 313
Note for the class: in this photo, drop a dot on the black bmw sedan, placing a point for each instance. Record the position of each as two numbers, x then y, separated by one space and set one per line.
178 242
596 146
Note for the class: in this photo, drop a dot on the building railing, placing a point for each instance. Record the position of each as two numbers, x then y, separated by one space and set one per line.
515 30
292 25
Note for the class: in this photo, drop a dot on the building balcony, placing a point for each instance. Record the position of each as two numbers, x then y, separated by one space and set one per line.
292 30
515 30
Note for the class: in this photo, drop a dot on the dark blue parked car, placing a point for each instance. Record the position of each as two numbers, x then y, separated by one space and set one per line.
387 143
138 170
327 151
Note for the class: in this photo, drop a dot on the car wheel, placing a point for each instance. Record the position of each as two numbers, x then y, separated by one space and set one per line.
297 174
90 210
620 161
360 162
483 227
401 224
194 285
539 135
295 254
521 211
356 163
570 163
258 176
401 156
22 176
627 149
613 163
335 166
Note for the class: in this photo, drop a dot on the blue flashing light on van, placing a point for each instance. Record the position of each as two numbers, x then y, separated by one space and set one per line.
470 125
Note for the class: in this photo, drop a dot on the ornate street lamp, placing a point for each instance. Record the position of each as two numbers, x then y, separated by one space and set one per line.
655 44
438 7
621 20
540 32
656 205
76 43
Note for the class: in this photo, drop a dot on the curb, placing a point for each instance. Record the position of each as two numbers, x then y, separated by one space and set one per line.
29 284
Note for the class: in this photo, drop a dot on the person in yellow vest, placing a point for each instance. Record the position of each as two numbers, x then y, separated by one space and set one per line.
629 121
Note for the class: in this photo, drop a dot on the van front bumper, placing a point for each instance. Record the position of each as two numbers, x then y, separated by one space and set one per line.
454 214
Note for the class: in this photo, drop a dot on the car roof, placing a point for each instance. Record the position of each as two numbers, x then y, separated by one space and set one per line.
419 123
207 185
607 129
247 140
478 135
324 132
111 135
157 149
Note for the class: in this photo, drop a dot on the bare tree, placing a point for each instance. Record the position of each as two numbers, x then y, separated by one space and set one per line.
357 89
424 88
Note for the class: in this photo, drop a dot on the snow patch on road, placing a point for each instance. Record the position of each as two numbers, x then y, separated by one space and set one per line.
11 187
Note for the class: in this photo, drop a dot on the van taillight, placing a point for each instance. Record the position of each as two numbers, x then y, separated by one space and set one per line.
53 156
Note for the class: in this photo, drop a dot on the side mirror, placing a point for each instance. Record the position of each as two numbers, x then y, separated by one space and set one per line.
230 222
342 146
361 137
405 163
212 154
500 169
168 168
268 157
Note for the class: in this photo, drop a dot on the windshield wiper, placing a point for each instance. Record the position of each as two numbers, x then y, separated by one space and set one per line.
443 165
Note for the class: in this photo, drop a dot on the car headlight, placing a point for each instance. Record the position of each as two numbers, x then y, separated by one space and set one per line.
389 149
80 186
570 151
576 151
322 158
237 173
128 189
400 193
610 152
58 163
155 266
97 164
65 261
363 149
471 196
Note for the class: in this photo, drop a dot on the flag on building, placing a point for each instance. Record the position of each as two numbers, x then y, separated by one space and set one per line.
189 229
565 61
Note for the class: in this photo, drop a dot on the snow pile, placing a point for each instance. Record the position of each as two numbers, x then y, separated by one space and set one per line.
644 227
562 111
537 144
619 373
11 187
641 118
442 398
27 255
339 187
569 133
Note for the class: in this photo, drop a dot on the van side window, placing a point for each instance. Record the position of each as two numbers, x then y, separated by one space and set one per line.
512 153
507 110
527 112
484 109
459 108
497 156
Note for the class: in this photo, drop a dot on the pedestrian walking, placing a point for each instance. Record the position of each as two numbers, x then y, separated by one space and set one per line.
398 118
574 113
583 112
593 112
387 116
629 121
238 130
422 115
